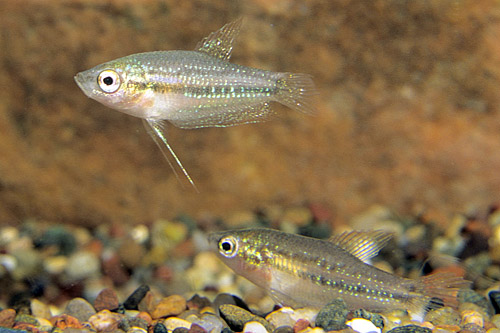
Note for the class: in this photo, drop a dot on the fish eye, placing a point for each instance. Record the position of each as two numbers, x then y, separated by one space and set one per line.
228 246
109 81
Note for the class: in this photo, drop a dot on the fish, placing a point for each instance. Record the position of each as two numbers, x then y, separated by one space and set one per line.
301 271
194 89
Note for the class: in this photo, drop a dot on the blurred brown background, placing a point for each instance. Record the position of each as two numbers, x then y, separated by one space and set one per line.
408 110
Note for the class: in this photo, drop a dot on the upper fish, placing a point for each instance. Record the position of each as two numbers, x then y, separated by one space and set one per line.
194 89
303 271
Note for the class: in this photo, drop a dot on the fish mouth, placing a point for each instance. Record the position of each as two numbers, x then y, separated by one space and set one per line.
79 79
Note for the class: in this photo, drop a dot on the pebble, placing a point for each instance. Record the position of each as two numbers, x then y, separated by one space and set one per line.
131 253
105 320
59 237
362 325
65 321
375 318
80 309
148 303
443 316
169 306
174 322
180 330
210 322
446 328
39 309
284 329
106 300
254 327
198 302
197 329
472 328
132 302
27 319
236 317
113 268
82 265
333 316
471 317
410 329
281 317
55 265
301 325
226 298
494 319
160 328
7 317
27 265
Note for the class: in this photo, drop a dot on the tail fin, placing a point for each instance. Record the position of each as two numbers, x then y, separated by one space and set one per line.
442 286
295 91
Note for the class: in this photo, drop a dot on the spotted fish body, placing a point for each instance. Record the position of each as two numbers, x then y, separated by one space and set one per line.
302 271
194 89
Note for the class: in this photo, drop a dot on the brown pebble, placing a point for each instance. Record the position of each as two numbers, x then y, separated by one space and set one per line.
106 300
145 316
113 268
148 303
169 306
300 325
198 302
65 321
195 328
26 327
7 318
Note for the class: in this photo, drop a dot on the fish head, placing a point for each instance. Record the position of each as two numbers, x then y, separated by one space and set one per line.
117 85
244 254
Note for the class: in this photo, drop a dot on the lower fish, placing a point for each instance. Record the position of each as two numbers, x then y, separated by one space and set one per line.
301 271
194 89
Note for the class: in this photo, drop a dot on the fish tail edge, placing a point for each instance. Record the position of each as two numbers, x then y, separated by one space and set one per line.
444 286
295 90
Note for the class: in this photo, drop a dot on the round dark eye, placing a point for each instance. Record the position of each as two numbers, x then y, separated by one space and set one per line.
108 80
228 246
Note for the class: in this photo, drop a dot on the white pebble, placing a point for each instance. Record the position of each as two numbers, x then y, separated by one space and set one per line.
254 327
363 326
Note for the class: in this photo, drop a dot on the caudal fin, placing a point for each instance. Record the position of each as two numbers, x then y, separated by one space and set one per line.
296 91
433 289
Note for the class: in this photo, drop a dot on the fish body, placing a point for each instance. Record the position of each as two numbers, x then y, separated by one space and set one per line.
194 89
302 271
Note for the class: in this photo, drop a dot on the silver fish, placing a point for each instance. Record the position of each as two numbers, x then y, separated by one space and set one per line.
303 271
194 89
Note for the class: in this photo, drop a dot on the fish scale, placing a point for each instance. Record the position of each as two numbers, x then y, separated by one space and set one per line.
194 89
303 271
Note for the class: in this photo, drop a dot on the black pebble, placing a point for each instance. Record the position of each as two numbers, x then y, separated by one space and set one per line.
495 300
160 328
132 302
226 330
333 316
225 298
179 330
410 329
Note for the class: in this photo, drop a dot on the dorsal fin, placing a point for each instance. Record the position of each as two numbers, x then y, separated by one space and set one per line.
362 244
219 44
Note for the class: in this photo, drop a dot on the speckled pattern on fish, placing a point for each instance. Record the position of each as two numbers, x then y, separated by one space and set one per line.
303 271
